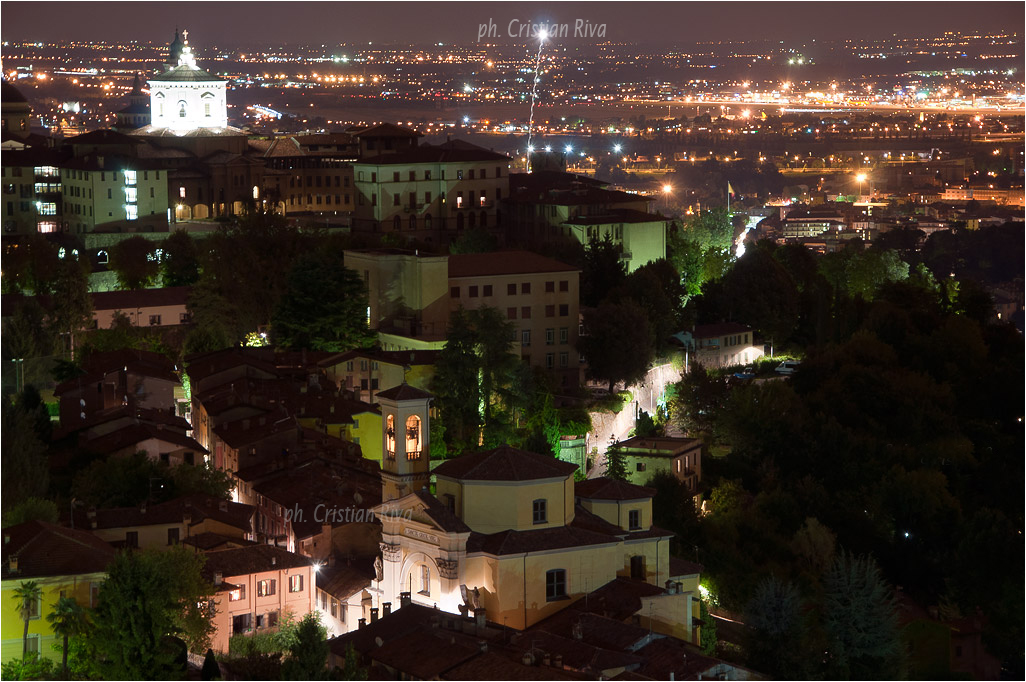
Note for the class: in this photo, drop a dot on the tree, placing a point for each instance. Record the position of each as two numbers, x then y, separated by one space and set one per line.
128 481
656 288
148 600
181 263
775 630
324 306
708 634
602 272
27 596
860 619
473 241
456 382
66 619
759 292
618 343
30 509
25 468
814 544
70 307
350 668
616 462
308 656
496 364
134 262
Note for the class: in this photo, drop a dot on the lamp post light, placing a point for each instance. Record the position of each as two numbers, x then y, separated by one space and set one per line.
667 190
861 177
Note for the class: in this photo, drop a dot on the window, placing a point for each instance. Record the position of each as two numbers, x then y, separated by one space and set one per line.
550 287
564 309
425 580
564 359
473 292
525 288
550 311
487 290
413 437
550 336
634 519
272 619
295 583
564 335
395 176
564 285
471 176
132 539
525 338
454 292
172 536
459 175
267 588
641 466
395 199
511 313
550 360
242 622
184 318
154 320
390 436
525 312
511 289
638 567
32 644
555 584
427 175
334 607
538 512
34 608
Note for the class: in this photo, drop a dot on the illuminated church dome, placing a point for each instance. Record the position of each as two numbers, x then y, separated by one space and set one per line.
186 98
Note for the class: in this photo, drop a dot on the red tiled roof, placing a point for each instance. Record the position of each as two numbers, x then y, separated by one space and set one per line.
440 514
253 559
611 489
679 567
137 433
140 298
710 331
503 263
198 507
520 541
504 463
423 654
345 579
660 444
46 549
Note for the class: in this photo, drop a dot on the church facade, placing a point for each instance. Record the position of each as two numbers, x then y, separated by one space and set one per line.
185 97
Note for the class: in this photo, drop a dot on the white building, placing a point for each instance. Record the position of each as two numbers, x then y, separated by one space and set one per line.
187 98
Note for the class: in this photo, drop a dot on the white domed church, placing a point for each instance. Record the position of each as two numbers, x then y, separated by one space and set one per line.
186 98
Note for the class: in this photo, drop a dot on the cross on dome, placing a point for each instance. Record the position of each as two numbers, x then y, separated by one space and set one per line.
187 58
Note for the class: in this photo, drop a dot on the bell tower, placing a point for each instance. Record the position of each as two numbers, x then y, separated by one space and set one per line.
406 441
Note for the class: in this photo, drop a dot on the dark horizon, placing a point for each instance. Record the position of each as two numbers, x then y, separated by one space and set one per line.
655 23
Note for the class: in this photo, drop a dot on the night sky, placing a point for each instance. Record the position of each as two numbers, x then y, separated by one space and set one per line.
270 23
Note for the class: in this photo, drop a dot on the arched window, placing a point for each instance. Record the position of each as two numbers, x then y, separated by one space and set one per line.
102 258
181 109
413 222
413 437
390 436
427 222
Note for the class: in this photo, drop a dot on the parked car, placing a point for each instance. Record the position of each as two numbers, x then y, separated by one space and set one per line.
747 373
787 367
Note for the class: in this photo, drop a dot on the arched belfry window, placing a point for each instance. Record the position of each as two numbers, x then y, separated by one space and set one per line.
413 437
390 436
181 110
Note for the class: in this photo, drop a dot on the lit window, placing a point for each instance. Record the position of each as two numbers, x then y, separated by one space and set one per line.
131 195
295 583
181 192
413 437
390 436
130 177
267 588
131 211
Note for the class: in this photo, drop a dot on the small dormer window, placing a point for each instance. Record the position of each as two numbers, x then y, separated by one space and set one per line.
539 511
634 519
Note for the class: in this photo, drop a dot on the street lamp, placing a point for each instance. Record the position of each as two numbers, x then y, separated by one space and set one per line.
667 189
861 177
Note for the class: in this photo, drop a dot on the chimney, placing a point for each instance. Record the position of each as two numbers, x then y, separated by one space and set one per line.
374 614
405 599
218 578
557 661
386 609
13 563
527 659
546 659
360 623
480 619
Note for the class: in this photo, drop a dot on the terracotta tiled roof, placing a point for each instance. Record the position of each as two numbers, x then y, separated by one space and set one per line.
405 392
520 541
423 654
137 433
208 541
140 298
679 567
254 559
440 514
577 653
505 463
491 665
197 507
503 263
345 579
710 331
396 624
668 445
611 489
46 549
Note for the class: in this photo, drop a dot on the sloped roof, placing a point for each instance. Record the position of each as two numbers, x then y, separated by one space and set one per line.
611 489
680 566
423 654
709 331
186 73
440 514
46 549
505 463
199 507
503 263
254 559
520 541
405 392
140 298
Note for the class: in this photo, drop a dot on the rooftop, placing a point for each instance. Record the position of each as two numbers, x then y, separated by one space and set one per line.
611 489
499 263
253 559
505 463
46 549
